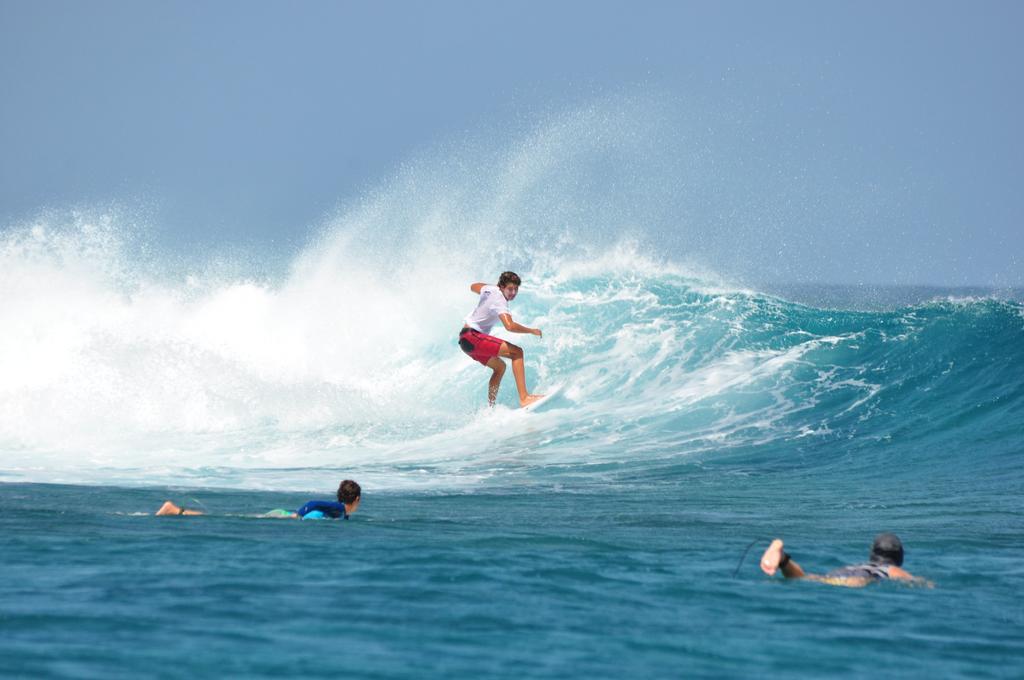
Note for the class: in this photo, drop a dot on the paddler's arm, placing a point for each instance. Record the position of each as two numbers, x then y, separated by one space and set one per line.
774 555
513 327
476 287
901 574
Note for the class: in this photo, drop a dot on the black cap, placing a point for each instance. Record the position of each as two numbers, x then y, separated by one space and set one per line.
887 549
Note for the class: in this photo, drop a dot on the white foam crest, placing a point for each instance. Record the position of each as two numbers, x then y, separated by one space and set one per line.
88 357
114 366
346 364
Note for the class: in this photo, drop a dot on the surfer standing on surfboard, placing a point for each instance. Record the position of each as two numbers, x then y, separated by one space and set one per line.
487 349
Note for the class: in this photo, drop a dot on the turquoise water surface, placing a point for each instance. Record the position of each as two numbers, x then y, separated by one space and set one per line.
605 534
614 532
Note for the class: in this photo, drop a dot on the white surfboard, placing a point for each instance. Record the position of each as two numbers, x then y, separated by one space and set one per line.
550 392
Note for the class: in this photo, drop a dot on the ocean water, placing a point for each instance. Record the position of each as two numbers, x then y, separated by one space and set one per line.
615 531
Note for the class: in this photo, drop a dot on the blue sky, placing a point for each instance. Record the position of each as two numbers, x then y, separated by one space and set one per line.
890 131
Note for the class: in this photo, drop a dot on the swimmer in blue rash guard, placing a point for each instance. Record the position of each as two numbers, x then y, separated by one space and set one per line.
349 495
884 563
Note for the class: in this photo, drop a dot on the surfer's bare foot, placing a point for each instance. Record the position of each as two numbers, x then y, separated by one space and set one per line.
771 557
529 399
169 508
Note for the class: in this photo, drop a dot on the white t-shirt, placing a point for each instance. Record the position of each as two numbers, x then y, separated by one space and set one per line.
492 305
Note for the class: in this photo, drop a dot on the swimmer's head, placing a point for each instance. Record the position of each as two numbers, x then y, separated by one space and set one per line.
887 549
349 492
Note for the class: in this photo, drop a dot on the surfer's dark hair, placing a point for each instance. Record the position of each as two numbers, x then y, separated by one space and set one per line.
348 492
887 549
507 278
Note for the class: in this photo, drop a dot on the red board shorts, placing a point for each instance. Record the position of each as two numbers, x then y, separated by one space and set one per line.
479 346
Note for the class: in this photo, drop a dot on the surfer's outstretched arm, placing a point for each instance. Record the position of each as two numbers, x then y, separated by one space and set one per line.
513 327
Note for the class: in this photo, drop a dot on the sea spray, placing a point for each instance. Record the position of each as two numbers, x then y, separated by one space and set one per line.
343 364
122 363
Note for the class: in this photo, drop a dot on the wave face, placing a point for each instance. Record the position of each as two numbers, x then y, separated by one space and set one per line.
122 364
115 371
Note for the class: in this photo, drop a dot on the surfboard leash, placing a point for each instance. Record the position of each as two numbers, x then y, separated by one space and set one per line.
743 557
